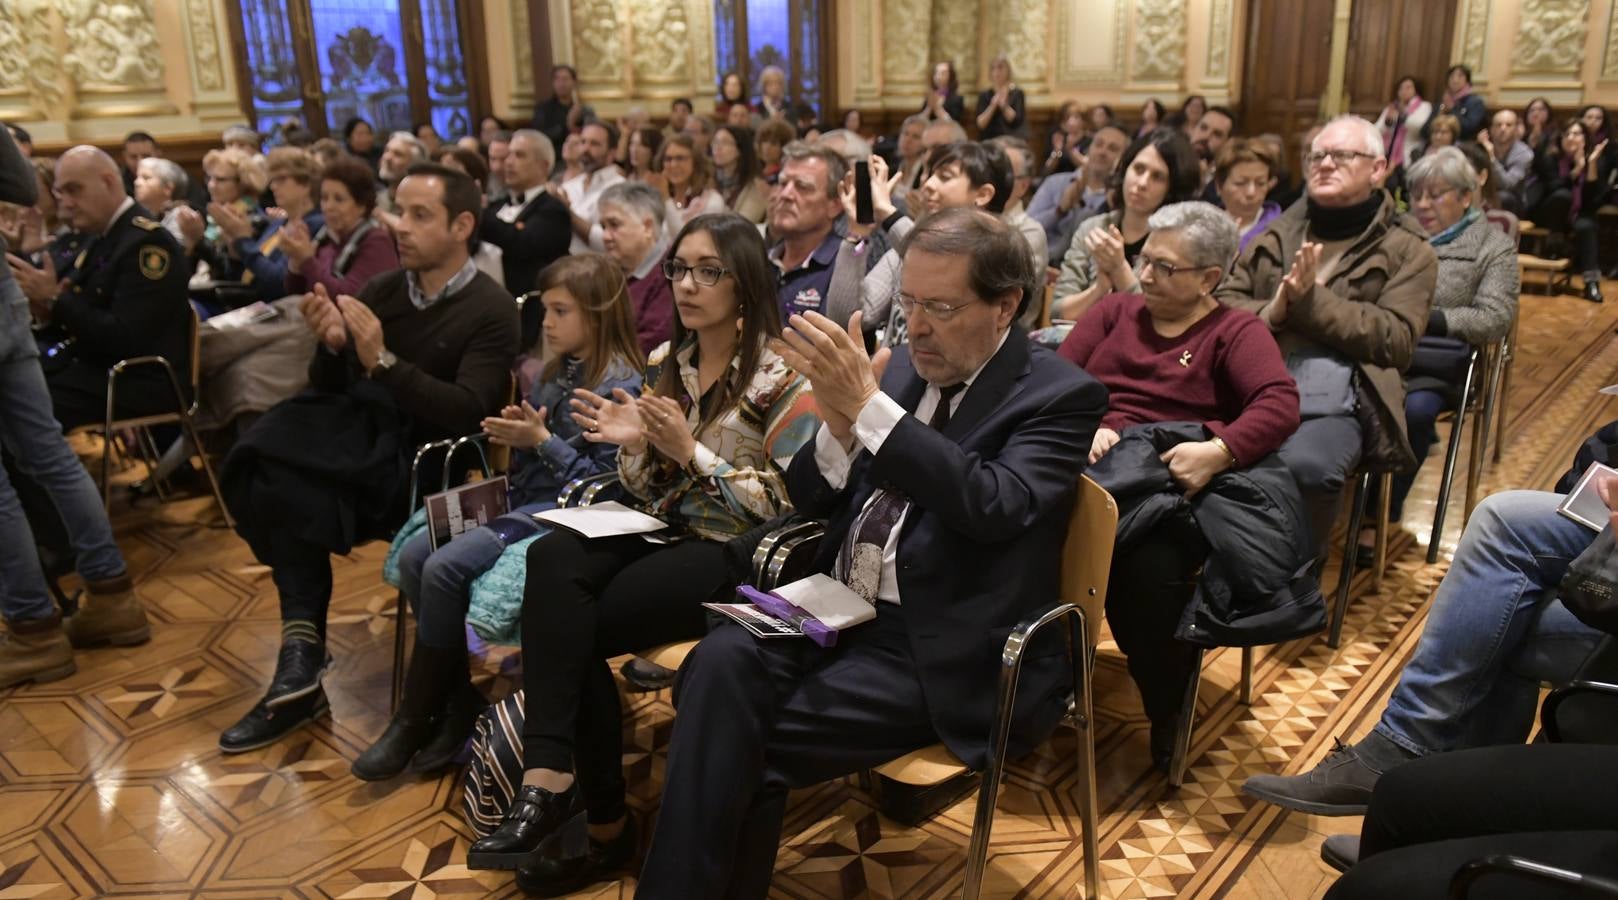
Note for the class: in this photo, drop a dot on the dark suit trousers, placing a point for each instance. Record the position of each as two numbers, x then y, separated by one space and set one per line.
1151 584
758 717
1555 804
586 601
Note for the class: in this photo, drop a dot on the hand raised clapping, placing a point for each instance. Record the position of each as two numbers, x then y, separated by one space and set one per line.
614 420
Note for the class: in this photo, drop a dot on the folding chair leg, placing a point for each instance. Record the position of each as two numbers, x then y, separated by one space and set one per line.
149 455
1247 676
1384 507
1183 728
401 609
1480 440
1346 577
1452 455
191 435
1089 811
1508 355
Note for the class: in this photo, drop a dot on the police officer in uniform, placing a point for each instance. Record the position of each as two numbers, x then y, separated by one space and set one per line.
123 296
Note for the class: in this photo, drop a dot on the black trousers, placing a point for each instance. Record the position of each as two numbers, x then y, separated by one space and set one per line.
758 717
79 393
1553 213
584 602
1147 592
1553 803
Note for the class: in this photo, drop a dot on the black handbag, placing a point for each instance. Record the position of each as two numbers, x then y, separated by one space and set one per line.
1590 586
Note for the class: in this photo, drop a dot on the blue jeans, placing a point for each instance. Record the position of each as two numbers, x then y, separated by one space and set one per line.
1495 630
438 584
34 441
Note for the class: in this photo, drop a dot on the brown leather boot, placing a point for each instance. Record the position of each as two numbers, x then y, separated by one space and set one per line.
35 650
110 614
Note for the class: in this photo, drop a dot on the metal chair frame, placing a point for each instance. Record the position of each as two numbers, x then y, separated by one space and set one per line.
1460 886
183 415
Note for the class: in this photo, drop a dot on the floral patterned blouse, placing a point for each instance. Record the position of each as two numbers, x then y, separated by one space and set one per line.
735 480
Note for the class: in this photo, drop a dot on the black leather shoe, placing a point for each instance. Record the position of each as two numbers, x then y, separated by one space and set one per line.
392 752
451 731
539 822
603 861
1592 291
1339 786
1340 851
644 675
298 670
264 725
1163 746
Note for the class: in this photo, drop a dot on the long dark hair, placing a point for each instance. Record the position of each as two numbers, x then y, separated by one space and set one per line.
741 250
1185 170
747 167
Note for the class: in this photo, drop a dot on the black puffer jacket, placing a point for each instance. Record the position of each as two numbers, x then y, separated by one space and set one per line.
1256 587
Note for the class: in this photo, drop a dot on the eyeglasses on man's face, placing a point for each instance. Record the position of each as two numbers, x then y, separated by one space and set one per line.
705 274
937 310
1339 158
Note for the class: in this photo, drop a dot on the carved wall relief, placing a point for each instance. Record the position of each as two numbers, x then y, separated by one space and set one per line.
1159 40
1550 37
661 40
904 57
597 41
1020 27
111 43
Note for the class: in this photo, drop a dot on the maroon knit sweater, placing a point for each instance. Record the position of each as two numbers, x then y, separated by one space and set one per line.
1225 372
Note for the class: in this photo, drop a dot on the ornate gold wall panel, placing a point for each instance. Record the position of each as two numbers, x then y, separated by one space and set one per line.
1550 38
1090 42
904 58
955 33
1019 28
1472 38
1216 71
598 43
1159 41
1609 64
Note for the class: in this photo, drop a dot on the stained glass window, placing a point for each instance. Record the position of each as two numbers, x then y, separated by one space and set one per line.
751 35
361 61
447 93
272 65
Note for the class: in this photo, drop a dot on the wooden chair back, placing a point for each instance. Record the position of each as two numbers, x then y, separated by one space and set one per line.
1087 553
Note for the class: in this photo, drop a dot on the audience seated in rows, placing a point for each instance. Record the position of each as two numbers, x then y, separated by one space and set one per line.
944 100
634 235
947 470
1512 164
1021 159
912 156
1345 281
805 209
1467 108
1066 199
582 191
351 248
235 180
293 180
699 445
1157 169
688 175
1404 125
1002 106
160 187
1173 354
1244 173
1208 137
736 172
530 224
1578 178
590 340
423 352
38 644
489 258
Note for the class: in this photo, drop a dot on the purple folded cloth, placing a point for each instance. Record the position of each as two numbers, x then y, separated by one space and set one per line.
783 609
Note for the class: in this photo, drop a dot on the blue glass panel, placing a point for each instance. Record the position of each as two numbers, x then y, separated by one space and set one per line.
806 53
361 54
271 64
447 93
767 41
724 22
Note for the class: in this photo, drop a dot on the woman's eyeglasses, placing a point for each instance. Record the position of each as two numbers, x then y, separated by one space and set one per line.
705 275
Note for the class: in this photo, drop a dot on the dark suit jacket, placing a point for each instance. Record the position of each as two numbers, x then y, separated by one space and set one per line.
539 237
980 549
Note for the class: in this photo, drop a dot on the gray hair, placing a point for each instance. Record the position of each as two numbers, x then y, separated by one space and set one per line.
956 132
1009 142
997 254
417 148
1370 135
851 146
1209 236
240 133
915 119
637 197
543 147
169 172
1447 166
836 166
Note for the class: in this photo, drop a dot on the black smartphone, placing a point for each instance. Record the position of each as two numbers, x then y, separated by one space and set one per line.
863 213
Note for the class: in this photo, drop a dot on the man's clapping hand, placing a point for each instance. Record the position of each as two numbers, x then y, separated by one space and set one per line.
844 378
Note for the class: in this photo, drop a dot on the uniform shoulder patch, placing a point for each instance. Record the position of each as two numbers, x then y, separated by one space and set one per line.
143 222
154 262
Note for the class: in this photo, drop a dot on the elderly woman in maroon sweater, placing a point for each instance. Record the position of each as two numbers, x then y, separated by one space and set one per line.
352 248
1175 354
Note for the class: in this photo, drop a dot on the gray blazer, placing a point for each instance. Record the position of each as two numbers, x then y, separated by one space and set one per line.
1478 283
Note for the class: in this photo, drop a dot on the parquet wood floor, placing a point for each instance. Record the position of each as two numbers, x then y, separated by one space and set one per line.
111 783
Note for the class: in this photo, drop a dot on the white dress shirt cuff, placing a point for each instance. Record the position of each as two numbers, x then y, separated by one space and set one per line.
878 418
831 459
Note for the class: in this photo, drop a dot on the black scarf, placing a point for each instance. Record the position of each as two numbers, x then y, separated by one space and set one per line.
1337 223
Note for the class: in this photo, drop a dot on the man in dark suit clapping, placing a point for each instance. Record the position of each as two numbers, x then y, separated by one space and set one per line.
531 227
947 473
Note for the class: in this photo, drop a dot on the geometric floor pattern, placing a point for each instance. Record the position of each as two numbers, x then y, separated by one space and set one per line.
111 783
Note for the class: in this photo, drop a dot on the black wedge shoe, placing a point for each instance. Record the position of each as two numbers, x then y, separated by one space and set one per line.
538 823
603 861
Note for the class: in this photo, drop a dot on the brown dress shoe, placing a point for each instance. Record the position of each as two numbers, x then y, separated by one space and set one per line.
110 614
35 650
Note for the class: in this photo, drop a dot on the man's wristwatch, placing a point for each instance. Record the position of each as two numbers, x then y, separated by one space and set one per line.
384 361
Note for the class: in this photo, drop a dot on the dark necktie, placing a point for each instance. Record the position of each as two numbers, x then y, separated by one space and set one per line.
862 557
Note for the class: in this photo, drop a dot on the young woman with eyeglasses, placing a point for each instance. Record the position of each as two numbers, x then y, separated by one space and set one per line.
698 450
